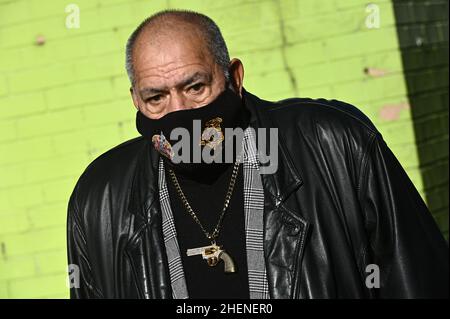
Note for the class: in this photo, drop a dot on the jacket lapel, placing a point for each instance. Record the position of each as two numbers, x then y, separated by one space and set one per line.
285 229
145 248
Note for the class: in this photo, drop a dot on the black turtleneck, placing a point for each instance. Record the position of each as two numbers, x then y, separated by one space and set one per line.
206 198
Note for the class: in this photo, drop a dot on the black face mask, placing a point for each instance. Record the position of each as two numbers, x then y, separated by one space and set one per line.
204 131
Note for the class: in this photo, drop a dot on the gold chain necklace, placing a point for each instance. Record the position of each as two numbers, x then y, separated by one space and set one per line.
212 253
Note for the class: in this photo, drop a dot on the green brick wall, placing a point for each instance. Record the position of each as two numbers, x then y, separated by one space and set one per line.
423 40
64 102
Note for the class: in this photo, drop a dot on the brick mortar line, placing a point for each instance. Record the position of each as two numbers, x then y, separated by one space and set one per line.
40 182
63 13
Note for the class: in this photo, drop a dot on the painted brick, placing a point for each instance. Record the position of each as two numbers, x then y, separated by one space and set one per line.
17 267
370 89
32 57
415 175
51 262
429 103
117 111
121 87
91 137
252 39
318 92
3 86
20 8
333 24
307 8
79 94
10 39
23 196
265 83
47 215
434 150
398 133
11 59
40 78
69 49
427 80
127 130
442 220
4 292
213 5
436 174
12 175
385 110
40 287
432 127
407 152
26 150
25 243
417 59
438 197
59 190
51 8
51 28
371 41
56 167
13 223
50 123
115 16
5 206
261 61
104 42
22 104
105 66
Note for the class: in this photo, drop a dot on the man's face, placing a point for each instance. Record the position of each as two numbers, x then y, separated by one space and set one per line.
174 72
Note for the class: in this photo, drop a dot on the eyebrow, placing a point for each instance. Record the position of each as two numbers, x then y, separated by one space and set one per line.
191 79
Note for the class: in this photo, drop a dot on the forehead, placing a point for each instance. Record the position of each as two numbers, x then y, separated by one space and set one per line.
171 55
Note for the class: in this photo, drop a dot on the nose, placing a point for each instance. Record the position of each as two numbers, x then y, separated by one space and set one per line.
177 102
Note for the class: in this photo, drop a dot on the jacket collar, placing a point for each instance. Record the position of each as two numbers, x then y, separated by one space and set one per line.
286 179
144 189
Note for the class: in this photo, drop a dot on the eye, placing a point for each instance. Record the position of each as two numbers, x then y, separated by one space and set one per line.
154 99
196 87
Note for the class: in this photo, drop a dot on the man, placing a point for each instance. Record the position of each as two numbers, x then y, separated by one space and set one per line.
337 218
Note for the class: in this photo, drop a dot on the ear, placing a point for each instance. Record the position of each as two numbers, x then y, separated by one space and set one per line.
135 98
237 75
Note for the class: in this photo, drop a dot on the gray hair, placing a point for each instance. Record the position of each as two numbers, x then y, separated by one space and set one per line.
209 30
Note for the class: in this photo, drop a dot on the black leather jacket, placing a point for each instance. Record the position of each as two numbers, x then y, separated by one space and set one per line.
338 202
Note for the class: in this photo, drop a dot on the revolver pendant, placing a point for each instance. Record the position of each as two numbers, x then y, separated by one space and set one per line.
213 255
